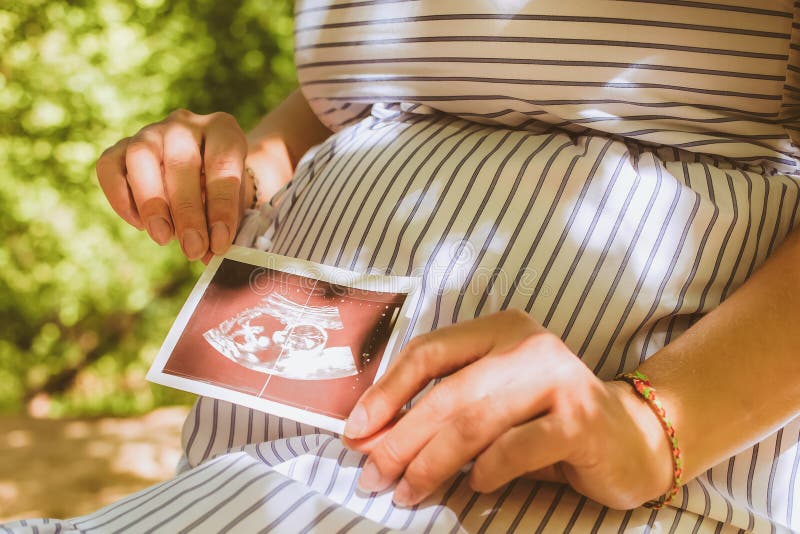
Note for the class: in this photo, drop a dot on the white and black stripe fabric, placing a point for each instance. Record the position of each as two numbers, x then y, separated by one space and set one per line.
531 195
709 77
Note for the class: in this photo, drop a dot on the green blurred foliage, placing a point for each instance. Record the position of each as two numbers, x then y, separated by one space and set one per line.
85 300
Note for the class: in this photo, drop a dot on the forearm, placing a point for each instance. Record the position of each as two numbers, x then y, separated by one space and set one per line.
734 377
277 143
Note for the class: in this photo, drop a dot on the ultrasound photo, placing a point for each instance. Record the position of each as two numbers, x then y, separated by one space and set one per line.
286 336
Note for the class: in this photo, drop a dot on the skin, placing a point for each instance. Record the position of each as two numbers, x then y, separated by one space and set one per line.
726 383
184 177
560 423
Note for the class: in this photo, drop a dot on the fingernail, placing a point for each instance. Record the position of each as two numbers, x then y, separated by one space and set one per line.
219 237
370 479
159 229
403 496
357 422
192 243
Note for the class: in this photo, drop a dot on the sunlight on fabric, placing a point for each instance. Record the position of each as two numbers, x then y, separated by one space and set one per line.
667 224
490 252
453 266
424 201
649 209
449 264
605 216
630 74
507 6
593 112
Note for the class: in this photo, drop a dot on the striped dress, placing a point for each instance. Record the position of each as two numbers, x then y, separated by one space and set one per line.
614 168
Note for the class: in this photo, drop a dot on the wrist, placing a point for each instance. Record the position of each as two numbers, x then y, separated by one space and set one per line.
276 144
290 129
658 468
271 167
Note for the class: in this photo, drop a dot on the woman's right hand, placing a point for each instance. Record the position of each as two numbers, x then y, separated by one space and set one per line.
182 177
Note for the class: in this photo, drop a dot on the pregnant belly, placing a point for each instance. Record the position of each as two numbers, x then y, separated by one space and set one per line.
610 246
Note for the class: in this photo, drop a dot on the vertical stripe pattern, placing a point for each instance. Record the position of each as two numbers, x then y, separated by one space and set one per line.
614 168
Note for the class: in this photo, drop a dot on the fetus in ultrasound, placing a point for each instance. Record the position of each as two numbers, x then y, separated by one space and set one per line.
282 337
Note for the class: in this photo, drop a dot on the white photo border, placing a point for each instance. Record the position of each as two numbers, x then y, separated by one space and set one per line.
309 269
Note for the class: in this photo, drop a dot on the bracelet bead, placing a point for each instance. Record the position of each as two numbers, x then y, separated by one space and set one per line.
251 173
642 385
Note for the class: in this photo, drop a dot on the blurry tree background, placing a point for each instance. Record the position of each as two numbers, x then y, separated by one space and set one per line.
85 300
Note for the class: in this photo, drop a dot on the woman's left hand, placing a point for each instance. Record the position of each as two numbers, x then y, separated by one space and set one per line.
518 402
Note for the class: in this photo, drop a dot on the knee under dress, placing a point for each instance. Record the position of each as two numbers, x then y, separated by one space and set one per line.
614 168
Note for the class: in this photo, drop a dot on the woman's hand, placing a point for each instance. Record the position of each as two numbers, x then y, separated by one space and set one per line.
180 177
519 402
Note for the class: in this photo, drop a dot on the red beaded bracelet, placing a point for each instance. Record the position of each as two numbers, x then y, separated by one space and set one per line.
641 384
252 175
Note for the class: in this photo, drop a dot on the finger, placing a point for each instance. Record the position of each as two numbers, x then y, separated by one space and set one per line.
182 164
110 170
143 163
551 473
429 356
368 444
523 449
223 159
460 440
469 408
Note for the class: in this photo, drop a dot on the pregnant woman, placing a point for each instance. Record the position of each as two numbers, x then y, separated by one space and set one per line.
599 198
